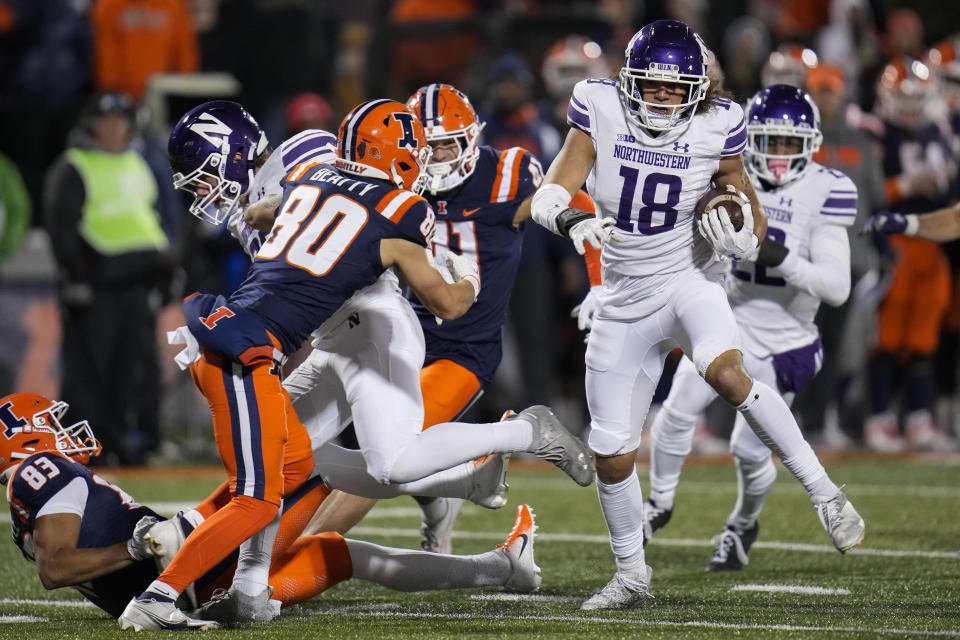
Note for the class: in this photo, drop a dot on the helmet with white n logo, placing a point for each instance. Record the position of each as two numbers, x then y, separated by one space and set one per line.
30 423
213 151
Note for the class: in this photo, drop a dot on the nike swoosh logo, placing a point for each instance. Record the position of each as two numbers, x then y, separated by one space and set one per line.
470 212
524 546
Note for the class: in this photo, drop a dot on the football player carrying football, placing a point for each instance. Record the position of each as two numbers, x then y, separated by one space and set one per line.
648 145
805 259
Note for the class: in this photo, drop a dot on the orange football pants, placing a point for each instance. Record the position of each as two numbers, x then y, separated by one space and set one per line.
448 391
911 313
263 447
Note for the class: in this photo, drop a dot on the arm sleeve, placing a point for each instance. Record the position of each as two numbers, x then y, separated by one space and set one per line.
827 273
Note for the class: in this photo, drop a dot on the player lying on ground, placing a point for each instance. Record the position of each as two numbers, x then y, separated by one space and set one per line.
84 532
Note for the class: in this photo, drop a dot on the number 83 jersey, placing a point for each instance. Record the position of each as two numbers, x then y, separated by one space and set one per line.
650 186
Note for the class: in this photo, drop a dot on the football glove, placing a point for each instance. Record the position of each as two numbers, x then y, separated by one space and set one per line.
137 547
463 268
584 311
594 230
716 227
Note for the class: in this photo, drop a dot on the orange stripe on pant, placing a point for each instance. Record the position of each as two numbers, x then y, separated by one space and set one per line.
448 389
910 315
264 449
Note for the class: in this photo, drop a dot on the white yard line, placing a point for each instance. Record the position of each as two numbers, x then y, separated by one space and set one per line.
19 619
640 622
524 597
668 542
802 589
49 603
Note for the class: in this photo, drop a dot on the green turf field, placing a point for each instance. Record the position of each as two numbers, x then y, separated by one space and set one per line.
904 582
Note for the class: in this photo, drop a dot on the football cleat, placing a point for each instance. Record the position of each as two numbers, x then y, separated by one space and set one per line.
524 572
490 481
231 607
653 518
552 442
841 522
621 593
150 612
730 553
437 525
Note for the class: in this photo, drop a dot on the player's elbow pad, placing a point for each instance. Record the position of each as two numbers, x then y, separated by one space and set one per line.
549 202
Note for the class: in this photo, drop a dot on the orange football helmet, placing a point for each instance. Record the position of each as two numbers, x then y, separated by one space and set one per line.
944 60
447 115
31 423
383 139
570 60
909 95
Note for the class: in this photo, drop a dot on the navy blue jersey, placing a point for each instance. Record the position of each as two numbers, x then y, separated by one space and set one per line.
108 516
324 246
476 220
908 152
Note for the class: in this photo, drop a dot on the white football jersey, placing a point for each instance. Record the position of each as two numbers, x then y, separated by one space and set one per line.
775 316
311 145
650 186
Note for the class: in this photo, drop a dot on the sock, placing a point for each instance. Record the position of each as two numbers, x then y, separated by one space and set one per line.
404 570
346 471
160 590
310 566
770 418
253 563
672 435
298 509
215 538
755 479
445 445
622 506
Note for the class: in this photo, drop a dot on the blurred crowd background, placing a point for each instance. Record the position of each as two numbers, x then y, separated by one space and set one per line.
84 308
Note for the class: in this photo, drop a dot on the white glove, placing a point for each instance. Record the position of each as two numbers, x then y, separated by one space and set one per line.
439 262
716 227
584 311
137 547
596 231
249 238
462 268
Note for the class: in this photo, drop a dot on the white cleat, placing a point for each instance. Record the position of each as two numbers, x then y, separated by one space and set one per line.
150 614
524 574
231 607
841 522
490 481
621 593
437 525
553 442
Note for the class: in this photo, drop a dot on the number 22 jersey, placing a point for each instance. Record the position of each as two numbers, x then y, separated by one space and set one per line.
650 185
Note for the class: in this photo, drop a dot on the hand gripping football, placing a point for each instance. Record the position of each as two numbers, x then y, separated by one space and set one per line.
730 199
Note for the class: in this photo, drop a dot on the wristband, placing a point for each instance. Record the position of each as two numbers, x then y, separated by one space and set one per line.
913 224
569 217
771 253
548 202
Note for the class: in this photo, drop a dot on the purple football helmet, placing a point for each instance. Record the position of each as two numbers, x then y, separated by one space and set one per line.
212 151
664 51
781 111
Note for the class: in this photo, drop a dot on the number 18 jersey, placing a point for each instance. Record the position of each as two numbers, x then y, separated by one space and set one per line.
650 185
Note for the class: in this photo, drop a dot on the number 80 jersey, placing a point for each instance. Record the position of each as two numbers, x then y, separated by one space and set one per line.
650 186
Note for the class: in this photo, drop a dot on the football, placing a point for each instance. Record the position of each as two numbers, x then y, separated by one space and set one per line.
732 201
